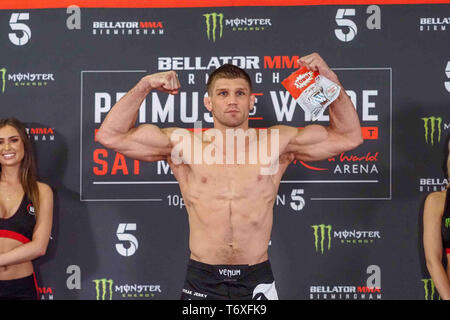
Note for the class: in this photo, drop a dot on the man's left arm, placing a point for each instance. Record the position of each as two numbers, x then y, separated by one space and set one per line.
316 142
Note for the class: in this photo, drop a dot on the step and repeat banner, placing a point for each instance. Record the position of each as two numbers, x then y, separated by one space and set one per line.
341 226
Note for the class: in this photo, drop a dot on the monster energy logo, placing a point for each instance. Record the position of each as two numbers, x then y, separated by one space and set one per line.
430 289
447 222
211 25
102 287
3 72
321 236
430 131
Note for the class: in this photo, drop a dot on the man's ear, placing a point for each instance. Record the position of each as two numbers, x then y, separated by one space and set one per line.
207 102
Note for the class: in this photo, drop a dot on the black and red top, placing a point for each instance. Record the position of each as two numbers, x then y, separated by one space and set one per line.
21 224
446 223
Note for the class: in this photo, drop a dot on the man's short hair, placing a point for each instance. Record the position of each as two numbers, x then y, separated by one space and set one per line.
228 71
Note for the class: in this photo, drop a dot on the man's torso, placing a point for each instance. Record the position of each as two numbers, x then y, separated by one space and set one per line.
230 205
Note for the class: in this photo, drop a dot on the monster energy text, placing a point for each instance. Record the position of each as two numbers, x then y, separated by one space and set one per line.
104 290
137 290
345 236
247 24
215 24
30 79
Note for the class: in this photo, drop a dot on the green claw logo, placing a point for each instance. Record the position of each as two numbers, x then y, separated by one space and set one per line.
3 73
430 124
322 236
214 20
430 290
102 287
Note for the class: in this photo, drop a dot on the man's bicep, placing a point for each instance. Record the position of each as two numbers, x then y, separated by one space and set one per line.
317 143
146 142
308 143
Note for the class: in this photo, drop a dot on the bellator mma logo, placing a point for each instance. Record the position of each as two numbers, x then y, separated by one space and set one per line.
371 290
127 28
30 209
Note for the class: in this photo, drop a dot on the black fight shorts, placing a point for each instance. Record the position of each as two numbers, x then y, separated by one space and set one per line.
19 289
229 282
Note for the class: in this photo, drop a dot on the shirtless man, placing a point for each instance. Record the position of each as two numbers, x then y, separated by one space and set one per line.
229 204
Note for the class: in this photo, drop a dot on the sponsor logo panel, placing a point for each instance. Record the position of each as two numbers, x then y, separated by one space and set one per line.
46 293
105 173
216 24
108 289
46 134
10 79
432 184
326 237
434 130
127 28
434 24
370 290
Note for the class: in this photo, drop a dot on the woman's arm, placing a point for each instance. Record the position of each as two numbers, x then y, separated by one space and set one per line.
432 240
41 234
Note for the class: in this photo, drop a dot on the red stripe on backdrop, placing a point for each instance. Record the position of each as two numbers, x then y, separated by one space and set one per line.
44 4
36 286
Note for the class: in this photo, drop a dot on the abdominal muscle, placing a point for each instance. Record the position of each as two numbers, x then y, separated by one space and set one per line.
224 236
230 223
16 271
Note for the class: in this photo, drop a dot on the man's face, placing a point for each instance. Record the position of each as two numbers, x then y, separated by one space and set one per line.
230 102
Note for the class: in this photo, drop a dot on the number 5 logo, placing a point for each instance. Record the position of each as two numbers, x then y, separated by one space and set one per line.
352 29
447 72
296 196
19 27
122 236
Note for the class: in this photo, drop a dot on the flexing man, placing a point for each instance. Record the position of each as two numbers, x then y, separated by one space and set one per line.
229 193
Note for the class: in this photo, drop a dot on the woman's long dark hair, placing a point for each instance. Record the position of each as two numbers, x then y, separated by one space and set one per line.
28 170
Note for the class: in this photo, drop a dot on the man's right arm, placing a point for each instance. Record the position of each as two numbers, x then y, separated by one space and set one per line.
146 142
